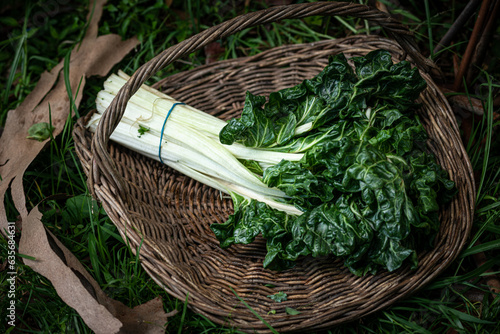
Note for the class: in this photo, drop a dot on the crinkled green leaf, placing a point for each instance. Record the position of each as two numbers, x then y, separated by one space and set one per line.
244 128
369 190
278 297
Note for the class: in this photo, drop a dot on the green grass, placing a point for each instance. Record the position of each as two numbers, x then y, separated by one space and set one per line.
457 301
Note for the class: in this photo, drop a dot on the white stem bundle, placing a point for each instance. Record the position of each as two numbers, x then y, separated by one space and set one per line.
190 143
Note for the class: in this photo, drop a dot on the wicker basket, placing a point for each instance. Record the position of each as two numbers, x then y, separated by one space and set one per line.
168 215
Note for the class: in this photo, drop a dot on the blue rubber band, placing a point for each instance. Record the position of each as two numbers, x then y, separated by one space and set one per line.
163 128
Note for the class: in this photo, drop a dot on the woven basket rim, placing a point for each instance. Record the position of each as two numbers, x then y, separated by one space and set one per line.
110 170
117 208
115 111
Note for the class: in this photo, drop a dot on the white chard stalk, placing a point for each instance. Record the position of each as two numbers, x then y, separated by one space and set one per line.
190 143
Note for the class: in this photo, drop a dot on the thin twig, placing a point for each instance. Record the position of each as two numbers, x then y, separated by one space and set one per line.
465 102
484 41
476 32
457 25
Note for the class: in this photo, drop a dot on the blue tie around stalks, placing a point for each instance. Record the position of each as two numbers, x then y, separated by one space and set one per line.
163 128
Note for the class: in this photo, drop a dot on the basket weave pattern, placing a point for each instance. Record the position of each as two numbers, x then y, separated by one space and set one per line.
168 214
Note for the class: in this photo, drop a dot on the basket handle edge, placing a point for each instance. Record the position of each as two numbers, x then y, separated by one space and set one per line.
101 159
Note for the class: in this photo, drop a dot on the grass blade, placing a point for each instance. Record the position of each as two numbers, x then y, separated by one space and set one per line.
489 133
255 313
409 326
345 24
463 316
24 256
183 314
470 275
20 49
67 82
429 26
487 246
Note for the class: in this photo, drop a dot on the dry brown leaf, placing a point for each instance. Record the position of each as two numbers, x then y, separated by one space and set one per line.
94 56
78 289
381 6
213 51
465 102
14 156
146 318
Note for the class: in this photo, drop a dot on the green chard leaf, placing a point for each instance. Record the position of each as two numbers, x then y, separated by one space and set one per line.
245 128
368 189
278 297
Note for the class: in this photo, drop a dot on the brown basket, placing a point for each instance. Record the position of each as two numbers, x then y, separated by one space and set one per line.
168 215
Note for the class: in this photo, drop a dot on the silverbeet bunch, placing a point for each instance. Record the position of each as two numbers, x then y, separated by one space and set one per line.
367 187
336 166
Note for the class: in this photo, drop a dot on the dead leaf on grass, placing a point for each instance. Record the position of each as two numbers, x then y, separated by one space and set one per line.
213 51
94 56
78 289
